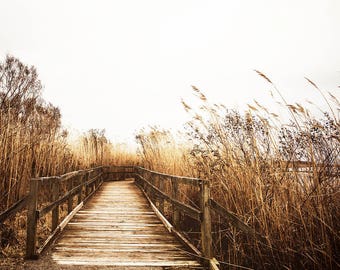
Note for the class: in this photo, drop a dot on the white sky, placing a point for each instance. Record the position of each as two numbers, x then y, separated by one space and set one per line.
122 65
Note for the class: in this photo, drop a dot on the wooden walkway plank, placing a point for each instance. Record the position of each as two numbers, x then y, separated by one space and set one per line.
118 228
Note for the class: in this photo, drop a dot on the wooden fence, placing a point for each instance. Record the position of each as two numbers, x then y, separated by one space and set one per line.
48 193
167 194
163 188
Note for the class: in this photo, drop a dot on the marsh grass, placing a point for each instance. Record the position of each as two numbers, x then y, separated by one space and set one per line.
281 179
33 144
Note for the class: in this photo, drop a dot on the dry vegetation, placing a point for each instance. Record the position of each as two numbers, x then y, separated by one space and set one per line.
253 162
33 143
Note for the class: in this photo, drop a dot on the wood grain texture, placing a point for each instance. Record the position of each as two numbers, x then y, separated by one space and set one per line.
117 227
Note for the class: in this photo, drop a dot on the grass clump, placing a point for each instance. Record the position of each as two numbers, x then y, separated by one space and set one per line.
33 144
281 179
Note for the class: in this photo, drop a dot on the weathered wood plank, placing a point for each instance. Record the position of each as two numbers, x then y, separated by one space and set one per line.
55 211
32 218
137 253
138 263
206 237
117 227
118 240
119 251
118 236
175 195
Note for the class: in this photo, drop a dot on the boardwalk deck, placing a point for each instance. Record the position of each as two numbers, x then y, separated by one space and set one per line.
118 228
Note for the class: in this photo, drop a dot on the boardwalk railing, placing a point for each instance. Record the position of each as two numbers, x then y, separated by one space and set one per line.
163 188
47 194
171 197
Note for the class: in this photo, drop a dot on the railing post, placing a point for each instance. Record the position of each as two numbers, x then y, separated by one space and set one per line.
206 238
80 182
32 219
176 214
102 177
70 198
146 186
86 178
108 174
94 184
99 179
161 200
152 181
135 172
144 175
55 196
156 184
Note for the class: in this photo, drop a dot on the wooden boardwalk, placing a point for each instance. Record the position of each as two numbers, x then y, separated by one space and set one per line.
117 227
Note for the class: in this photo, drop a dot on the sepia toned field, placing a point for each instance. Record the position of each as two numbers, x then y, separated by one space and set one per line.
279 177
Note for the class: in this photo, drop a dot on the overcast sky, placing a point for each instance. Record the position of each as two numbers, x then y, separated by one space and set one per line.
122 65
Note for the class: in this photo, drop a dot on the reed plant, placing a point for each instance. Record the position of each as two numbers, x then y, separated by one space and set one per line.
279 177
33 143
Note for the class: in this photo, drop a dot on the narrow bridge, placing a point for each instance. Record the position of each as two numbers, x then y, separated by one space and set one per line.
124 216
118 227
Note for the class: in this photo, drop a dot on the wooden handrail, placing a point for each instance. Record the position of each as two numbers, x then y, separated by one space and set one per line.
19 205
186 209
235 220
203 215
88 185
158 187
59 201
147 179
181 179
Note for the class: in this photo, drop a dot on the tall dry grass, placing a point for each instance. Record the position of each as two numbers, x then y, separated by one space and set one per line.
160 150
92 149
33 143
253 161
30 136
32 140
